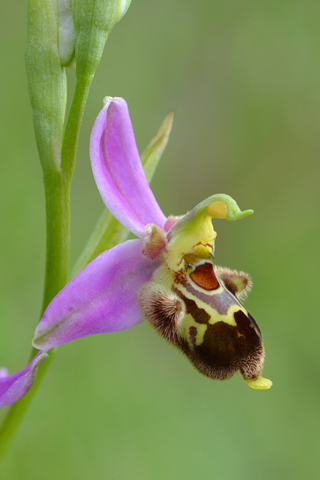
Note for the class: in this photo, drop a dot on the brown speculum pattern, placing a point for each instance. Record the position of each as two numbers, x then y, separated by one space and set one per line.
201 315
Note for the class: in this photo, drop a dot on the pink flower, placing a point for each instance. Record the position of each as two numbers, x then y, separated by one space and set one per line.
166 276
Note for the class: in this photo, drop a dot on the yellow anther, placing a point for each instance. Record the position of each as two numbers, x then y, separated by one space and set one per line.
218 210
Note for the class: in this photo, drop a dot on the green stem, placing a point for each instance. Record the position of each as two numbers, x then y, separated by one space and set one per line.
57 192
72 130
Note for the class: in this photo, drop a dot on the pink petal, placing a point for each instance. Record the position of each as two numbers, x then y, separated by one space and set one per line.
118 172
100 299
4 372
13 387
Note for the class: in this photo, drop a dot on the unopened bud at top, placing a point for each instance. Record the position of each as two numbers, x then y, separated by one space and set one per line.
93 22
46 80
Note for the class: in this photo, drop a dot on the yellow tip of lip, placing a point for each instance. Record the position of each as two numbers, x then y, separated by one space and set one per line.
259 383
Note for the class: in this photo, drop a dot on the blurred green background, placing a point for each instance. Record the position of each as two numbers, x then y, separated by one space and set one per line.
243 79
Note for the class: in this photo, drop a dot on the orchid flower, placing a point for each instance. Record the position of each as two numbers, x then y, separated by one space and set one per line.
166 276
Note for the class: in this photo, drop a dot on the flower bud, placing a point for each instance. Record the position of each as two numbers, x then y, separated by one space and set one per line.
66 32
93 21
46 81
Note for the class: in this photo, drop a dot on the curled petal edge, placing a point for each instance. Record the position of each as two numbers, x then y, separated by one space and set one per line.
13 387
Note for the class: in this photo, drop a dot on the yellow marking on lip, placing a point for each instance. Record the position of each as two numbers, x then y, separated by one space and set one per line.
215 316
183 329
199 253
227 318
